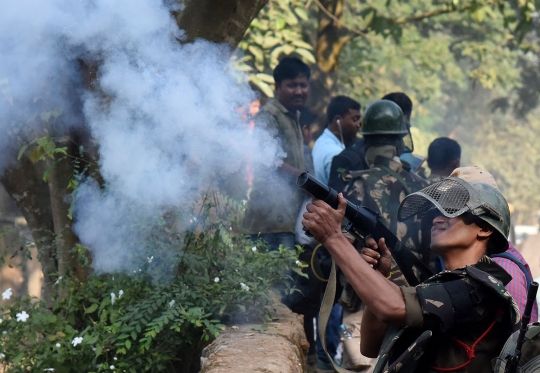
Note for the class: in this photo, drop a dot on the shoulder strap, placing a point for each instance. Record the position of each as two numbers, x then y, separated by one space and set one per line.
518 263
324 314
397 176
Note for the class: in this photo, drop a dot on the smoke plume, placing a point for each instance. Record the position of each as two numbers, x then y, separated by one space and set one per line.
164 114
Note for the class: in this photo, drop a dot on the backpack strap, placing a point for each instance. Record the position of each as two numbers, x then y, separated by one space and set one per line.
509 256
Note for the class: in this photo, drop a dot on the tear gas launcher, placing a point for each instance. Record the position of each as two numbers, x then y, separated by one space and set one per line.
363 222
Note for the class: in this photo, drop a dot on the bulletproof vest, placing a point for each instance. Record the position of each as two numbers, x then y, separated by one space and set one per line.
450 302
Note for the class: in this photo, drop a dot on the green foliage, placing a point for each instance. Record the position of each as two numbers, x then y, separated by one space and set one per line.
275 32
137 323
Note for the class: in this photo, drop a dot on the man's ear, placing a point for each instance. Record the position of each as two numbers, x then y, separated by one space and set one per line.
485 232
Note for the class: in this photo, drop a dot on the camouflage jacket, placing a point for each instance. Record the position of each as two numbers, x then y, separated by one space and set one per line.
448 311
275 199
382 188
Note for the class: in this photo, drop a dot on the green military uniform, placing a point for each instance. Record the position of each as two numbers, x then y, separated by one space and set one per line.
456 307
382 188
275 200
385 184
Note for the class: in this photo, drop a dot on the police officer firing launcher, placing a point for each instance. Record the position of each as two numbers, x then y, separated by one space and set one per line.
456 321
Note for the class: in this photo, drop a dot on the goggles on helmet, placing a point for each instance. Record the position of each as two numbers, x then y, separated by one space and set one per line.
451 196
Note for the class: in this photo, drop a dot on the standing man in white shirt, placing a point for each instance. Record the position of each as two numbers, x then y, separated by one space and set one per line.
343 114
343 123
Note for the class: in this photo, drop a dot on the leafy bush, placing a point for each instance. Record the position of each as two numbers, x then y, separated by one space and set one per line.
135 322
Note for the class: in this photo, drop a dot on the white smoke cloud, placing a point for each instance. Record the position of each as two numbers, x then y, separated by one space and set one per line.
167 126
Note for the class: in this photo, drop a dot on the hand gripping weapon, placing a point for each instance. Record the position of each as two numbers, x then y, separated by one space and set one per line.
363 223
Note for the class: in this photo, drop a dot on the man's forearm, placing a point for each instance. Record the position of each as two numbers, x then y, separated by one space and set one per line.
381 296
372 334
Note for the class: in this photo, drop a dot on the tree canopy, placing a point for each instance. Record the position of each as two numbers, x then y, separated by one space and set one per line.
470 67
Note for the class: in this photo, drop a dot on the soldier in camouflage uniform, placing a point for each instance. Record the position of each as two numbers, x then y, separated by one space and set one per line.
387 182
381 188
456 321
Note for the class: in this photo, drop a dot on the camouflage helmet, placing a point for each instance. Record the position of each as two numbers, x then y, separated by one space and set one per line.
384 117
454 197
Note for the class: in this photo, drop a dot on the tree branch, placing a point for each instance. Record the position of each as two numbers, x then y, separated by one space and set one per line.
431 14
338 22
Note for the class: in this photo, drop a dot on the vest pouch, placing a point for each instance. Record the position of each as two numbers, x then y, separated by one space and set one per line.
409 359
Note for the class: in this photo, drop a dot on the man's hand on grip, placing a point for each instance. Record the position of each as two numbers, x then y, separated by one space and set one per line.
381 259
322 221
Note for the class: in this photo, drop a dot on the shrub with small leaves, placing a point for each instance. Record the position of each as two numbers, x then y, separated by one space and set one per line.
138 323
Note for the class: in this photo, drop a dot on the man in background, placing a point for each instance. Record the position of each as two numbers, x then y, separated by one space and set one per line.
354 158
511 260
444 155
275 200
343 122
405 104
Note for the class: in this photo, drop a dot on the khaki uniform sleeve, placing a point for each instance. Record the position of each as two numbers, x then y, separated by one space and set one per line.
414 316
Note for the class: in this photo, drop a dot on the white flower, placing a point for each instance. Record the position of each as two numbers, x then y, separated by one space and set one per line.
171 303
76 341
216 279
120 293
58 345
22 316
115 358
4 332
2 356
244 286
150 259
111 367
113 297
7 294
57 281
48 370
254 248
1 321
297 262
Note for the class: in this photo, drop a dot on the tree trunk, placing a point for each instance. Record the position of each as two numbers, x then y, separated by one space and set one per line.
218 20
67 256
44 204
24 183
331 37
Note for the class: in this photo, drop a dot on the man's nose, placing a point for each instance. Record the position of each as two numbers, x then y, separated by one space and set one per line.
440 218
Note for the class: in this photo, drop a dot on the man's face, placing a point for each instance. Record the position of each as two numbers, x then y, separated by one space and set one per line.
452 233
350 124
293 93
